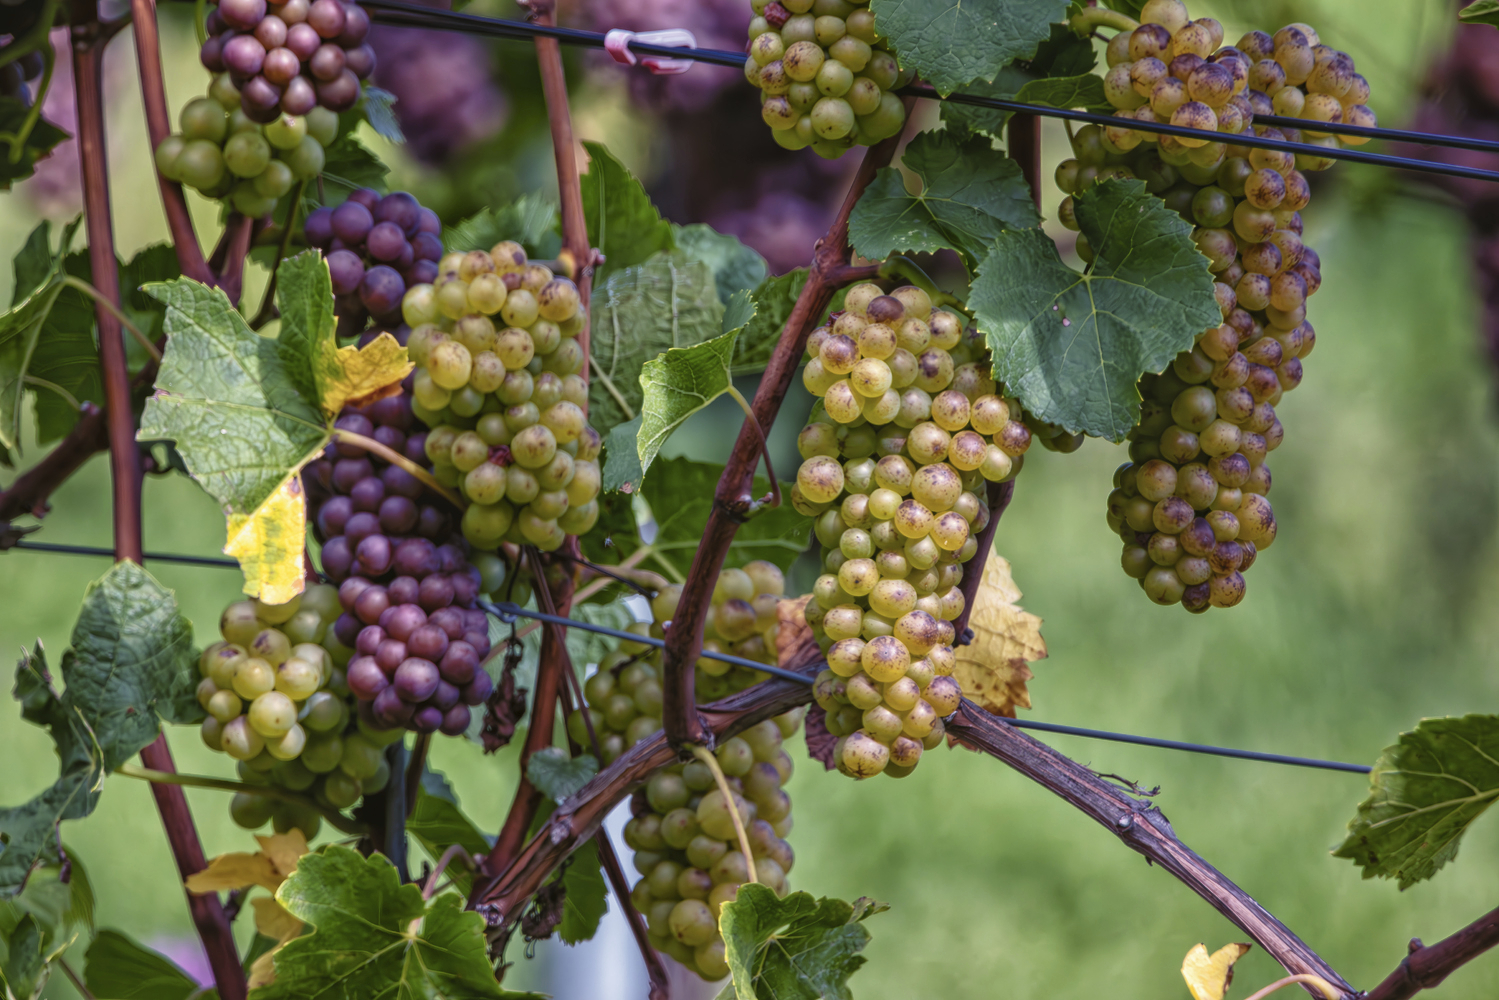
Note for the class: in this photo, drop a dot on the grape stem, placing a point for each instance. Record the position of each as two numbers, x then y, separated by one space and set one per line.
335 818
396 458
611 389
268 309
74 978
103 302
749 415
414 768
1327 989
1426 966
630 562
1089 18
711 762
455 852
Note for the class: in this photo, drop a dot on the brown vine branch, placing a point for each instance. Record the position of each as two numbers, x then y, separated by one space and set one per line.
655 972
734 495
29 493
1426 966
158 127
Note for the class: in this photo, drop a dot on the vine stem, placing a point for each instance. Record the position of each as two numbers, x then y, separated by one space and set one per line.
396 458
29 492
74 978
1426 966
335 818
267 311
1089 18
711 762
158 127
733 498
1327 989
102 301
654 970
456 851
749 415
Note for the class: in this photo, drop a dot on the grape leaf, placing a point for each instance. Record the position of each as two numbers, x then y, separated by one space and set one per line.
131 663
773 299
557 775
269 544
1072 346
23 967
380 112
736 267
587 897
1130 7
820 742
738 310
1480 12
39 925
20 329
43 138
120 969
622 471
1209 976
1084 91
951 44
796 948
348 166
1062 55
375 937
993 668
678 383
1425 791
438 824
971 194
34 262
638 312
531 220
622 223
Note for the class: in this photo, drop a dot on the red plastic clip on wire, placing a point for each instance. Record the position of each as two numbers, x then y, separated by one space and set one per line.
617 44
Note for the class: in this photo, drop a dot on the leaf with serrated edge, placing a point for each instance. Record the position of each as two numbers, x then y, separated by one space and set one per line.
273 920
530 220
622 223
239 870
120 969
228 398
1065 92
992 669
773 300
736 267
1425 791
622 472
638 312
359 376
379 111
20 329
1480 12
269 544
438 824
950 44
1072 346
796 948
587 898
348 166
971 193
284 849
678 384
1209 976
44 136
557 775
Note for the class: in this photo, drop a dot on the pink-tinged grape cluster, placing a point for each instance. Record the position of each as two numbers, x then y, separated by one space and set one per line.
223 154
895 470
1191 504
376 248
824 74
498 381
405 585
290 57
278 702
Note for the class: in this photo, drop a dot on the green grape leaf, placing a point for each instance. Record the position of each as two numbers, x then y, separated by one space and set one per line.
586 648
304 296
622 472
736 267
1425 791
20 330
951 44
348 166
622 223
1072 346
372 936
531 220
1063 55
1133 7
680 494
131 664
1480 12
587 897
678 383
228 399
638 312
1084 91
971 194
40 924
379 110
43 138
738 310
23 966
796 948
557 775
121 969
437 823
34 263
774 300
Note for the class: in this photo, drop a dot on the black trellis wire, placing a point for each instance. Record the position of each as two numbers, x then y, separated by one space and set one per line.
396 12
507 612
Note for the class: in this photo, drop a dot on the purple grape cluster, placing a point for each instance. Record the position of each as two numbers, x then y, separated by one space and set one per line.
376 248
291 56
14 76
404 581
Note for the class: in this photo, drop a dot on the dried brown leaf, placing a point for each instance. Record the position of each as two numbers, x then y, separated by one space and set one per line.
1208 976
993 669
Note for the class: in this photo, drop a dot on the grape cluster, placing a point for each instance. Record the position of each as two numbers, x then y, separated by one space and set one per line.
376 248
1191 505
292 56
223 153
824 74
277 702
406 590
894 471
15 76
507 407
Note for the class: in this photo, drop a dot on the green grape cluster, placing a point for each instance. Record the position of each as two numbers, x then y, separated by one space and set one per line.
277 703
224 154
687 850
505 400
895 468
1191 504
825 75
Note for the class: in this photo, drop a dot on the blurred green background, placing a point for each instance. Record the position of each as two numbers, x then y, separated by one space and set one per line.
1378 605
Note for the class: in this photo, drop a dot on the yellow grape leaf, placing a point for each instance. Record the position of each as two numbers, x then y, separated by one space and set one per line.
269 544
234 871
992 669
352 376
284 850
274 920
793 634
263 969
1207 975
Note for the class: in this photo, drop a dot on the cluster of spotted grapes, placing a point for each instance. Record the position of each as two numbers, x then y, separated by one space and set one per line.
292 56
376 248
277 701
824 74
498 363
895 471
1191 504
